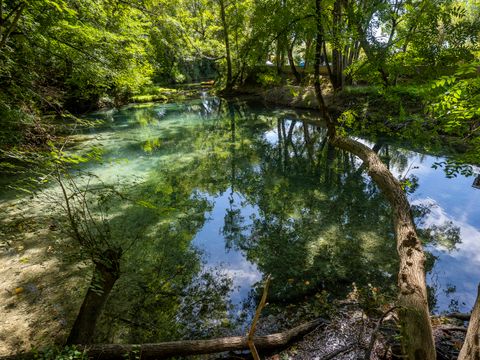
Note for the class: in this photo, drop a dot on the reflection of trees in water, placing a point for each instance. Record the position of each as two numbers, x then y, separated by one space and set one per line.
163 293
320 222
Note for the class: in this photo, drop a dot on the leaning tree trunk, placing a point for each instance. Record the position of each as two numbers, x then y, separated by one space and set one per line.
471 346
105 274
417 335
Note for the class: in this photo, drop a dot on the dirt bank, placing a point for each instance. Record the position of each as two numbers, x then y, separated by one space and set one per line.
41 284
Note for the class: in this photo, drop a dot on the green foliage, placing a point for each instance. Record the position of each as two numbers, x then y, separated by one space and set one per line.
149 98
454 168
346 120
364 72
456 101
78 55
269 78
61 353
409 184
67 55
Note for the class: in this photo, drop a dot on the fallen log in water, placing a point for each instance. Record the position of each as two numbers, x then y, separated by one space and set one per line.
194 347
190 347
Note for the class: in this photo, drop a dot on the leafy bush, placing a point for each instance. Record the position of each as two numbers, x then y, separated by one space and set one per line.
269 77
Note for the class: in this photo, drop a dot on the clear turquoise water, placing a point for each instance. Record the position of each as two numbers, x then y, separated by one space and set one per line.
241 191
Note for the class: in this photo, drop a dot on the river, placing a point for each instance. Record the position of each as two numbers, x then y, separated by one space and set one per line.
223 193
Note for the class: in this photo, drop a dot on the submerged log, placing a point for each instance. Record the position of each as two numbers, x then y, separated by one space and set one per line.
196 347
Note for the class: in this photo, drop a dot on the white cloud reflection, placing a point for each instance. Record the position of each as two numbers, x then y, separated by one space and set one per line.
459 267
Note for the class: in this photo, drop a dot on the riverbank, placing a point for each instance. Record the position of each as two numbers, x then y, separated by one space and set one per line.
172 93
38 267
397 112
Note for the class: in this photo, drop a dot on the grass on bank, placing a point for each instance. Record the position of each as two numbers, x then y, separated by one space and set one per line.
153 93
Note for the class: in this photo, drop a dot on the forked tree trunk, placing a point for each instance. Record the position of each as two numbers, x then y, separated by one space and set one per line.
417 336
105 274
471 346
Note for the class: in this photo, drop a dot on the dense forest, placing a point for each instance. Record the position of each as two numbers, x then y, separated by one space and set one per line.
296 133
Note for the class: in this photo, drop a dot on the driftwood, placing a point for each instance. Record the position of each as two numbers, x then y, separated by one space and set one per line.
190 347
251 333
373 338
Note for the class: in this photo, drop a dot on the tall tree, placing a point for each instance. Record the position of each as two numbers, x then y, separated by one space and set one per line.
226 39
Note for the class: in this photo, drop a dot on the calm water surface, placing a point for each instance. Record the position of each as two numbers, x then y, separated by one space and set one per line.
232 192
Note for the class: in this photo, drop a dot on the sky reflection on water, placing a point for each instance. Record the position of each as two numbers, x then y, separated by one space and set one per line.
176 128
